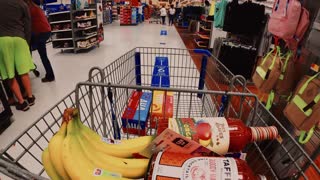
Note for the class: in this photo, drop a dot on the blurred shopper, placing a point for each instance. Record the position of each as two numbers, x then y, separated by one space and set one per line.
15 33
41 33
172 13
163 14
140 12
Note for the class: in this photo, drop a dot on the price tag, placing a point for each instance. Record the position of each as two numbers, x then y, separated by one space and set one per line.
314 67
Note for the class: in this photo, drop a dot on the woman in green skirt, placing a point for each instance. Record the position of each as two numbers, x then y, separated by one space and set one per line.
15 34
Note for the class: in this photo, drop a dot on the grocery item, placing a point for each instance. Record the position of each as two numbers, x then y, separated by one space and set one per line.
135 116
82 154
219 134
173 166
55 146
161 110
48 166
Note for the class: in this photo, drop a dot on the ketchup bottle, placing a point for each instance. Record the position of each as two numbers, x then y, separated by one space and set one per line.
172 166
219 134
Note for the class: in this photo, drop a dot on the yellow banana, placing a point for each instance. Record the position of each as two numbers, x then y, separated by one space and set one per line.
55 149
76 163
48 166
125 149
129 168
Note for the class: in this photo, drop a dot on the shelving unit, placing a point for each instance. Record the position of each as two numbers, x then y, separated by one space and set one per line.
115 13
128 16
203 36
75 30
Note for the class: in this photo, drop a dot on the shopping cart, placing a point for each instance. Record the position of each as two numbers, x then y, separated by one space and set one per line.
198 82
155 16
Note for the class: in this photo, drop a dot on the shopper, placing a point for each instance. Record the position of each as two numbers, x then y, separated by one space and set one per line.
41 33
140 12
15 33
172 13
163 14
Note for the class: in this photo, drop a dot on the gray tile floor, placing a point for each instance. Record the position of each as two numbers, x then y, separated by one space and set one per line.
71 68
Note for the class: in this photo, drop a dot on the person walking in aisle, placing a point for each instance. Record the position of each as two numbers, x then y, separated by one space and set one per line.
41 30
15 34
163 14
172 13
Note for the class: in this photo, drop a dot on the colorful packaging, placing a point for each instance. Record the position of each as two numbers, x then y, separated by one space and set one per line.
174 166
162 109
135 116
212 133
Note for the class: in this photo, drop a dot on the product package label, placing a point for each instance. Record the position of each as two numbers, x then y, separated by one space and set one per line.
162 107
202 168
161 75
212 133
136 114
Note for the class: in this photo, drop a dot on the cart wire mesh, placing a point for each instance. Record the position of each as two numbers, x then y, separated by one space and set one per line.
198 81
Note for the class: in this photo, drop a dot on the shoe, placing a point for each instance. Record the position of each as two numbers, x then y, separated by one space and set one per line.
23 107
44 80
31 100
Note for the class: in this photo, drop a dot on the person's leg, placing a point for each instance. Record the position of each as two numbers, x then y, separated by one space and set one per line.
27 84
41 44
163 20
15 88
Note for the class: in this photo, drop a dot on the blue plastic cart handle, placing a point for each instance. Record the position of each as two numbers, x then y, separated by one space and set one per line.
202 51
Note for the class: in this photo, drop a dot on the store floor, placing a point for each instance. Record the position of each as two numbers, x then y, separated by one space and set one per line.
71 68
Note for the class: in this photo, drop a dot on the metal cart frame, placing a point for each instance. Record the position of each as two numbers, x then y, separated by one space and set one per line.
198 81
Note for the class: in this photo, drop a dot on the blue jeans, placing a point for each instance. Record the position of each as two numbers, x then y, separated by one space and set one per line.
40 42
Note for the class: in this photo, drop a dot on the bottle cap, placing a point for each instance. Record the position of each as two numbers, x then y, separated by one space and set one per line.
263 133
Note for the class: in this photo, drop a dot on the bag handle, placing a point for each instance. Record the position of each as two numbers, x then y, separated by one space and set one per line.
288 56
274 58
303 139
304 86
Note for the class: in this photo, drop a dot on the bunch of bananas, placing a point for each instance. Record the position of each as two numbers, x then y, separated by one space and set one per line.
76 152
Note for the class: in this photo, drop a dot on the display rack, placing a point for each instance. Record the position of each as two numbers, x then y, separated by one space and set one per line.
75 29
128 16
115 13
204 35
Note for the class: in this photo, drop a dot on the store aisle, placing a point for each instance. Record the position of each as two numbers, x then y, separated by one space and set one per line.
71 68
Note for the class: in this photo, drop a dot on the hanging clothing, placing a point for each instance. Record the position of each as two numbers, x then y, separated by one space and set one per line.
239 59
246 18
212 7
220 10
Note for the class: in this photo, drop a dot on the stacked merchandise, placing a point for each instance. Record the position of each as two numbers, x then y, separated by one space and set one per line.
147 12
114 12
134 15
125 15
128 15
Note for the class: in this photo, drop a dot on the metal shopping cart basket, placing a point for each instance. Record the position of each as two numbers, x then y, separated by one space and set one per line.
155 16
198 82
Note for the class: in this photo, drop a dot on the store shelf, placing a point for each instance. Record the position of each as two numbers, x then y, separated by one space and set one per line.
64 48
57 22
82 29
63 30
203 36
62 12
79 10
203 28
93 44
62 39
91 18
86 37
198 44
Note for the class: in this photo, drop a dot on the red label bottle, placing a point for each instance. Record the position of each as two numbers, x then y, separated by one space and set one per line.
219 134
173 166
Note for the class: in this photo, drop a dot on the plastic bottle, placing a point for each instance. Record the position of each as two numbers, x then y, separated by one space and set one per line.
167 165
